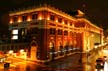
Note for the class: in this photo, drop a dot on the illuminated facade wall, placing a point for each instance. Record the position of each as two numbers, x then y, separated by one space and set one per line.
54 31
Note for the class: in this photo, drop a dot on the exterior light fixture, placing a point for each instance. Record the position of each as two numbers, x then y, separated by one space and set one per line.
40 18
11 21
11 52
21 51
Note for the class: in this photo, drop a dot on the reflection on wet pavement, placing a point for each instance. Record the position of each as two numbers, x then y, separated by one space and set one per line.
70 63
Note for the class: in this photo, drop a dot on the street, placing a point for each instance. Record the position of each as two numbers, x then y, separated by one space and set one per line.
92 60
68 63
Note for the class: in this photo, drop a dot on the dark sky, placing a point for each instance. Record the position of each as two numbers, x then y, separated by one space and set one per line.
95 10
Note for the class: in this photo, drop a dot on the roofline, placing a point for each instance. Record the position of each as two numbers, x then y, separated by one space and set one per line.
91 23
41 8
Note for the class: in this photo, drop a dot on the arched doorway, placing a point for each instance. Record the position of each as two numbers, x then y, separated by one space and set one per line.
33 50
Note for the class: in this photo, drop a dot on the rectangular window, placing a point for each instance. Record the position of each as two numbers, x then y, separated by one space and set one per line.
65 32
52 17
65 21
14 37
59 32
15 19
60 20
35 16
24 17
15 31
23 31
14 34
52 31
70 23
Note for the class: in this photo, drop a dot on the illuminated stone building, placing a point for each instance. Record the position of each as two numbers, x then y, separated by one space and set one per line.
51 33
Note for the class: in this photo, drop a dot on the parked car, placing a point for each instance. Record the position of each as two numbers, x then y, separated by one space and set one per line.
100 63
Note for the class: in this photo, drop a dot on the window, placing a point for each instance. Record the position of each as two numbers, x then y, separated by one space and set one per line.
52 17
14 34
14 37
59 32
15 19
24 17
65 32
24 32
65 21
52 31
34 16
60 20
71 34
70 23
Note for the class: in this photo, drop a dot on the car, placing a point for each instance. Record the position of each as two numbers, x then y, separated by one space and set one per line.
100 63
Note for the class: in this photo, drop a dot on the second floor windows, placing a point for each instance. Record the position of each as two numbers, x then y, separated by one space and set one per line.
65 21
65 32
60 20
59 32
52 31
24 18
52 17
15 19
70 23
34 16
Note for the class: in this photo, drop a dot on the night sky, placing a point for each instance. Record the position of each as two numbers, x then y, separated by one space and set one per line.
95 10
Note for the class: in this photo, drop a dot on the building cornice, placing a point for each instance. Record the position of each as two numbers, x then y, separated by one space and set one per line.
42 8
90 23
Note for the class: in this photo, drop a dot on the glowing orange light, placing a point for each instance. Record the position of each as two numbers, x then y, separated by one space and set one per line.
28 19
40 18
92 35
19 20
73 25
56 20
11 21
52 38
63 22
48 18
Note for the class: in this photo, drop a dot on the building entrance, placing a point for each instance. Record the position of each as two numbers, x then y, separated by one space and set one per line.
33 50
